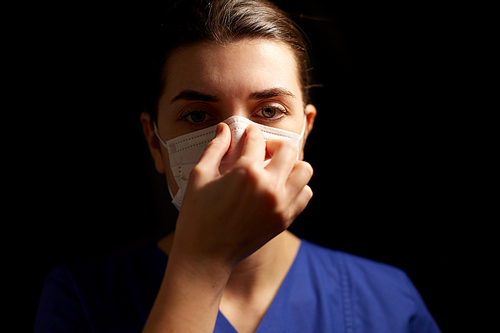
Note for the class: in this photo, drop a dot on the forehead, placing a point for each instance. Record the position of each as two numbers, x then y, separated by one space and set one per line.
230 70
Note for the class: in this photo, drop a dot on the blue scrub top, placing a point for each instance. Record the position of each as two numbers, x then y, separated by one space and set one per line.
324 291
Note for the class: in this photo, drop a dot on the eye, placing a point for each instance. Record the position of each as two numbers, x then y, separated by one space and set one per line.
196 118
272 112
268 112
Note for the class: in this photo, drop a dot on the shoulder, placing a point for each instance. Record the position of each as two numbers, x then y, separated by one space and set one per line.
372 293
60 304
361 275
125 263
105 291
105 270
129 270
357 267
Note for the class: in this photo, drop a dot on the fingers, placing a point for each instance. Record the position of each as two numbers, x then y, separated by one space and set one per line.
283 155
254 146
301 201
215 150
299 177
289 171
297 187
284 170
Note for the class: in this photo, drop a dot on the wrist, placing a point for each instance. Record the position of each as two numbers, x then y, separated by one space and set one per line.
189 296
199 268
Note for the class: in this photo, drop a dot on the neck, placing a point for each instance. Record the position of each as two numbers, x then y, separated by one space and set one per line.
260 273
264 270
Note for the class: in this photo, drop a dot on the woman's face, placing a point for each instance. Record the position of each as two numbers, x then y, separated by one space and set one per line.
206 84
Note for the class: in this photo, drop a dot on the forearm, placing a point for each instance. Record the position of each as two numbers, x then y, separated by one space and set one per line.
189 297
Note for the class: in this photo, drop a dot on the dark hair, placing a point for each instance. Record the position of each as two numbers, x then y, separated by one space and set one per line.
189 22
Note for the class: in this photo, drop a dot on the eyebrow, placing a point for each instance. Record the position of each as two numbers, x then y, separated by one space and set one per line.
270 93
192 95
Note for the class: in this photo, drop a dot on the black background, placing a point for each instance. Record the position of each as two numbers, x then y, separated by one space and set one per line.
383 148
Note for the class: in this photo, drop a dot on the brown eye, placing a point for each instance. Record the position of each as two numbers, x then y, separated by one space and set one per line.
268 112
272 112
197 116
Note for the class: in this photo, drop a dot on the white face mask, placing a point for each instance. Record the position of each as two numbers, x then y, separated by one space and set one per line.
185 151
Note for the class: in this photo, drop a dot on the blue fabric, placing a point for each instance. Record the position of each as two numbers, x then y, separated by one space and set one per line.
324 291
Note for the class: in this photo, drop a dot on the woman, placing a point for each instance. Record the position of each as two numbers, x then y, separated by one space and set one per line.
227 124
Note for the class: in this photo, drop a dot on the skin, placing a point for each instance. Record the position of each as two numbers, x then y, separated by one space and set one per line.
225 253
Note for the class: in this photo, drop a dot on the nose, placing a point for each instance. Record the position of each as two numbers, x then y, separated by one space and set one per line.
232 112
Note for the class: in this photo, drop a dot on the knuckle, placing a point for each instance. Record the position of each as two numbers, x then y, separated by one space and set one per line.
308 169
309 192
270 199
197 172
247 170
201 170
247 163
305 168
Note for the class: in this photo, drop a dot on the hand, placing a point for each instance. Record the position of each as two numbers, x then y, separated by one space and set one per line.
226 217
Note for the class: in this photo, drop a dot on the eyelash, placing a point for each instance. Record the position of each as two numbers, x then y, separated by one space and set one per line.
194 124
278 108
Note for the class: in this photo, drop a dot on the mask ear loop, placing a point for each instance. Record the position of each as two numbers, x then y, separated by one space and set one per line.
158 136
303 128
302 135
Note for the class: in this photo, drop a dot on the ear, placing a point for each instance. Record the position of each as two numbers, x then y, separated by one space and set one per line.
153 142
310 112
310 116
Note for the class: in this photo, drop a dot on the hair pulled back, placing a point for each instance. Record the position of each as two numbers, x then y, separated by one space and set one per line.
222 22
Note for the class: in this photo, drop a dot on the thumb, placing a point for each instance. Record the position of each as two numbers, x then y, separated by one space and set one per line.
215 150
